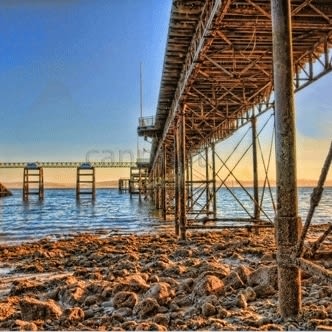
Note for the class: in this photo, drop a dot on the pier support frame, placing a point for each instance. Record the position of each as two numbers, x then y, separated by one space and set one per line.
287 220
85 182
33 182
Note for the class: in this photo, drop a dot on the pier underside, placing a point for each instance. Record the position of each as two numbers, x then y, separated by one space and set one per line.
227 63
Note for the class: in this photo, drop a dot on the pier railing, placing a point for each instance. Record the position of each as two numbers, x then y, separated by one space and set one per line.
70 164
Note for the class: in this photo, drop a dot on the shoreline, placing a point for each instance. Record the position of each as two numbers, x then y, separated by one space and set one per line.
222 280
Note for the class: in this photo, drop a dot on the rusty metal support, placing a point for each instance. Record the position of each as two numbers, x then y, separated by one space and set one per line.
287 220
182 176
314 200
176 180
255 168
313 247
163 183
214 185
207 183
189 183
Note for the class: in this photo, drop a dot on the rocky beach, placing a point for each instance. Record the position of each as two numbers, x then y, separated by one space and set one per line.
225 280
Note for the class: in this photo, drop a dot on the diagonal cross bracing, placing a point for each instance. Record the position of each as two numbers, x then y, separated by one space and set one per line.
224 60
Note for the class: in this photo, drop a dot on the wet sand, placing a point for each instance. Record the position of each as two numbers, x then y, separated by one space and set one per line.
224 280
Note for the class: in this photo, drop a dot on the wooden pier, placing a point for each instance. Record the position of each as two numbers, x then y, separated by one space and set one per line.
85 181
124 185
33 181
138 181
226 64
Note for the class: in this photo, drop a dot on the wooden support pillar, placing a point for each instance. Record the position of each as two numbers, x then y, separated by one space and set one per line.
85 182
139 183
214 187
255 168
288 223
33 182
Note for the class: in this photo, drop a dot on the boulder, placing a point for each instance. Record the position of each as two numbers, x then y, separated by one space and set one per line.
208 285
33 309
264 276
146 308
160 291
124 299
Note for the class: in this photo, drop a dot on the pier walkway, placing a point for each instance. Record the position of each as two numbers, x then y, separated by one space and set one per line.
70 164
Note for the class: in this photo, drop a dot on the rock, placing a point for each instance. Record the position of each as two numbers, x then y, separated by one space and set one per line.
129 325
213 268
26 326
271 327
75 314
264 291
71 295
183 253
222 313
150 326
244 273
162 319
121 314
125 299
241 301
233 280
186 285
133 283
146 308
208 309
91 299
264 276
33 309
323 328
208 285
161 291
249 294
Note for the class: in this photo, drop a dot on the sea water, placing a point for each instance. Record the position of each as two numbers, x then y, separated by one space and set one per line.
60 214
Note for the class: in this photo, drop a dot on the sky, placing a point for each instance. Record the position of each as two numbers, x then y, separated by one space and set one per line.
70 83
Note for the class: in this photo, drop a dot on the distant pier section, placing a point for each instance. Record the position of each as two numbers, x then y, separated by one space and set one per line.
71 164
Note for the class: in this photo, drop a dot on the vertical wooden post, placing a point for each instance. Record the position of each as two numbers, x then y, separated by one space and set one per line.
255 168
41 184
287 221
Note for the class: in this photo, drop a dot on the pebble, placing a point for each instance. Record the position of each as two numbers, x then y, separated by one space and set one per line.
147 282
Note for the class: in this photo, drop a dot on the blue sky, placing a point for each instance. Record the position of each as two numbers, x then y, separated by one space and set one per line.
70 74
69 80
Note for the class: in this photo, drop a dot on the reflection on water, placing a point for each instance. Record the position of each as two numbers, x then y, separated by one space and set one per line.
60 213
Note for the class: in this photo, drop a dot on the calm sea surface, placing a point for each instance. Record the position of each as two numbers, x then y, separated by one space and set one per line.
60 214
